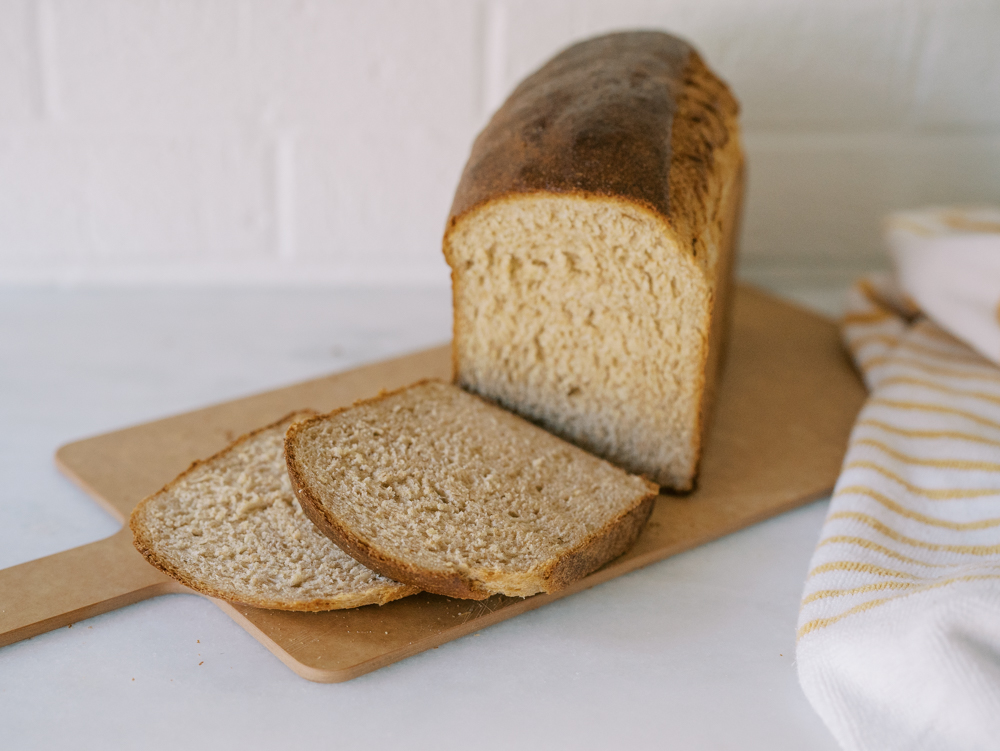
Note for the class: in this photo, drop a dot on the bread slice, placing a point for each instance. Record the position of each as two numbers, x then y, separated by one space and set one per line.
591 242
230 527
438 488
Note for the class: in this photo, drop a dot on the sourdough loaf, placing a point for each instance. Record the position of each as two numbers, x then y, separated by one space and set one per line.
230 527
440 489
590 243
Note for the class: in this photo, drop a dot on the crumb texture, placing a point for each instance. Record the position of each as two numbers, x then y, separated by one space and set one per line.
582 316
232 528
439 482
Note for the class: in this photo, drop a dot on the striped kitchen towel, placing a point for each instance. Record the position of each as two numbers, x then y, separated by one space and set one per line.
899 629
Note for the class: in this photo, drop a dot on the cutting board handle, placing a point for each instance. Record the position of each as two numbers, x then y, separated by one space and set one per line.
67 587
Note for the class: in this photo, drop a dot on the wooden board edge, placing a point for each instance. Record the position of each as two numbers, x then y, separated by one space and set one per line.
619 567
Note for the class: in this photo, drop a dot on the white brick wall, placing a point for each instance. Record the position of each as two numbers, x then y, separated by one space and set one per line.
320 140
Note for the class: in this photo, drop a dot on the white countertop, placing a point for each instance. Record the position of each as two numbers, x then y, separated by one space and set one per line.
695 652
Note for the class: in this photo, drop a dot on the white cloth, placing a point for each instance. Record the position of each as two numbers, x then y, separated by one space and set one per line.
948 262
899 630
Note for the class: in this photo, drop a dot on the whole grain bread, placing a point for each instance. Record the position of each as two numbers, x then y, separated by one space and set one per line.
230 527
591 241
438 488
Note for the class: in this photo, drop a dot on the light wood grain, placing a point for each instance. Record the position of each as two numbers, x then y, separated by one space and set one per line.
67 587
786 403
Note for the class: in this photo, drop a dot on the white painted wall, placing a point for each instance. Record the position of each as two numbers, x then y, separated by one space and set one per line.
293 141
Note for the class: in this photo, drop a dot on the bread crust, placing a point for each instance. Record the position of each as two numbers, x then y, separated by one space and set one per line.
574 127
613 539
635 118
143 542
722 312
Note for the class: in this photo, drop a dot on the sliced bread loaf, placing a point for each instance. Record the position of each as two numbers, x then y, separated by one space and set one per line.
438 488
591 242
230 527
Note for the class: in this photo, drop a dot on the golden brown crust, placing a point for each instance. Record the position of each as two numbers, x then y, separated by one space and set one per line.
601 546
705 131
143 542
721 315
594 119
633 115
610 542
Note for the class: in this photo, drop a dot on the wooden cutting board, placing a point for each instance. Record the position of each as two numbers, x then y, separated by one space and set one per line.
785 405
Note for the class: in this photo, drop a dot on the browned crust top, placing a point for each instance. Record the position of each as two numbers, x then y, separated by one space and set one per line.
598 119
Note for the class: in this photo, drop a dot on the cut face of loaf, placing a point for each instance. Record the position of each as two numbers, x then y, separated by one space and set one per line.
590 243
440 489
230 527
581 315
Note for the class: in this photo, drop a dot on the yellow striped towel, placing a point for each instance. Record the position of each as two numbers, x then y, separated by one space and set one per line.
899 629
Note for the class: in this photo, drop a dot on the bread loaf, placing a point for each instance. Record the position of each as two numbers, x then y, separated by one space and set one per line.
437 488
230 527
591 241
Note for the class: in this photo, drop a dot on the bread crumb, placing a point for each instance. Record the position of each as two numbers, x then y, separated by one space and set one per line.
429 507
253 544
